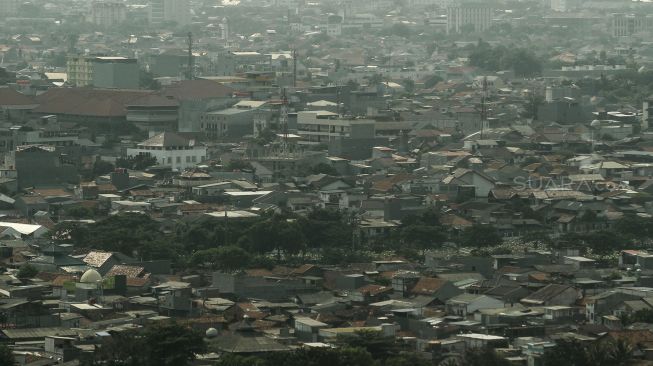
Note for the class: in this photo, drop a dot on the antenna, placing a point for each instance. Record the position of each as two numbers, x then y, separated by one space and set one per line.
483 106
294 68
189 74
283 121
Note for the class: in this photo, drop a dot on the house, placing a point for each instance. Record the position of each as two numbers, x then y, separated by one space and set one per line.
466 304
171 150
437 288
103 262
551 295
307 329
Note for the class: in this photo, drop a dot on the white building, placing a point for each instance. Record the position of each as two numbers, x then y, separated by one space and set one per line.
177 11
8 8
624 25
107 13
479 15
320 127
171 150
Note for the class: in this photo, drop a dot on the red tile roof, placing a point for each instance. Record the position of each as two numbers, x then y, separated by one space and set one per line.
10 97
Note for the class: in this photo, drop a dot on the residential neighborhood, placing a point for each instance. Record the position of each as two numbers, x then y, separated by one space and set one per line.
329 182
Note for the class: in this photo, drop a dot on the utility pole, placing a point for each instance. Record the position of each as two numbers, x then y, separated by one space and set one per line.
189 73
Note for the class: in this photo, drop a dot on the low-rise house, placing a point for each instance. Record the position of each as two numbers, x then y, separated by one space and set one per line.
553 294
466 304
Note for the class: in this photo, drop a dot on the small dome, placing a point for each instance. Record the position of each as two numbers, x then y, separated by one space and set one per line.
211 332
595 123
91 276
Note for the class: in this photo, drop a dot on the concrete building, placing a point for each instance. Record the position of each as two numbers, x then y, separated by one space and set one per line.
624 25
79 70
564 5
321 127
103 72
8 8
234 122
171 150
115 72
177 11
108 13
479 15
41 166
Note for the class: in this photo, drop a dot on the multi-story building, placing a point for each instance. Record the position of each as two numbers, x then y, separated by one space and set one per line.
564 5
8 8
321 127
108 13
79 70
234 122
624 25
177 11
473 14
103 72
115 72
171 150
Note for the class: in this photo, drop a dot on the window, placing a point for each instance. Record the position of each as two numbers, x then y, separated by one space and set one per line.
194 158
169 160
178 159
188 159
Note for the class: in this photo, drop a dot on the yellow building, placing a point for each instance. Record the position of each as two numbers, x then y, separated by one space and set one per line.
80 71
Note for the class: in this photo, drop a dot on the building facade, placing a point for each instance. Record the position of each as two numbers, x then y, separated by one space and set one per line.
171 150
321 127
108 13
477 15
625 25
8 8
103 72
177 11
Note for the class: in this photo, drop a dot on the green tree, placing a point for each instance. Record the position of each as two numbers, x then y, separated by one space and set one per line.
277 234
379 346
27 271
101 167
481 236
227 258
483 357
79 212
324 168
6 356
423 237
137 162
634 227
324 228
171 344
566 353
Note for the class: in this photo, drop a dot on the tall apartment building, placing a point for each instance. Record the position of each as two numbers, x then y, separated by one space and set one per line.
477 14
624 25
8 8
177 11
103 72
107 13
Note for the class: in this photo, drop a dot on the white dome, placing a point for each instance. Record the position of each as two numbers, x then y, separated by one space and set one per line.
211 332
91 276
595 123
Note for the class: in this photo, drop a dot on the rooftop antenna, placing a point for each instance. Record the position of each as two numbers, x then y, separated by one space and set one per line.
189 74
283 122
483 106
294 68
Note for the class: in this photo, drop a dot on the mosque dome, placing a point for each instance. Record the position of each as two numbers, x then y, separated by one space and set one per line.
91 276
211 333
